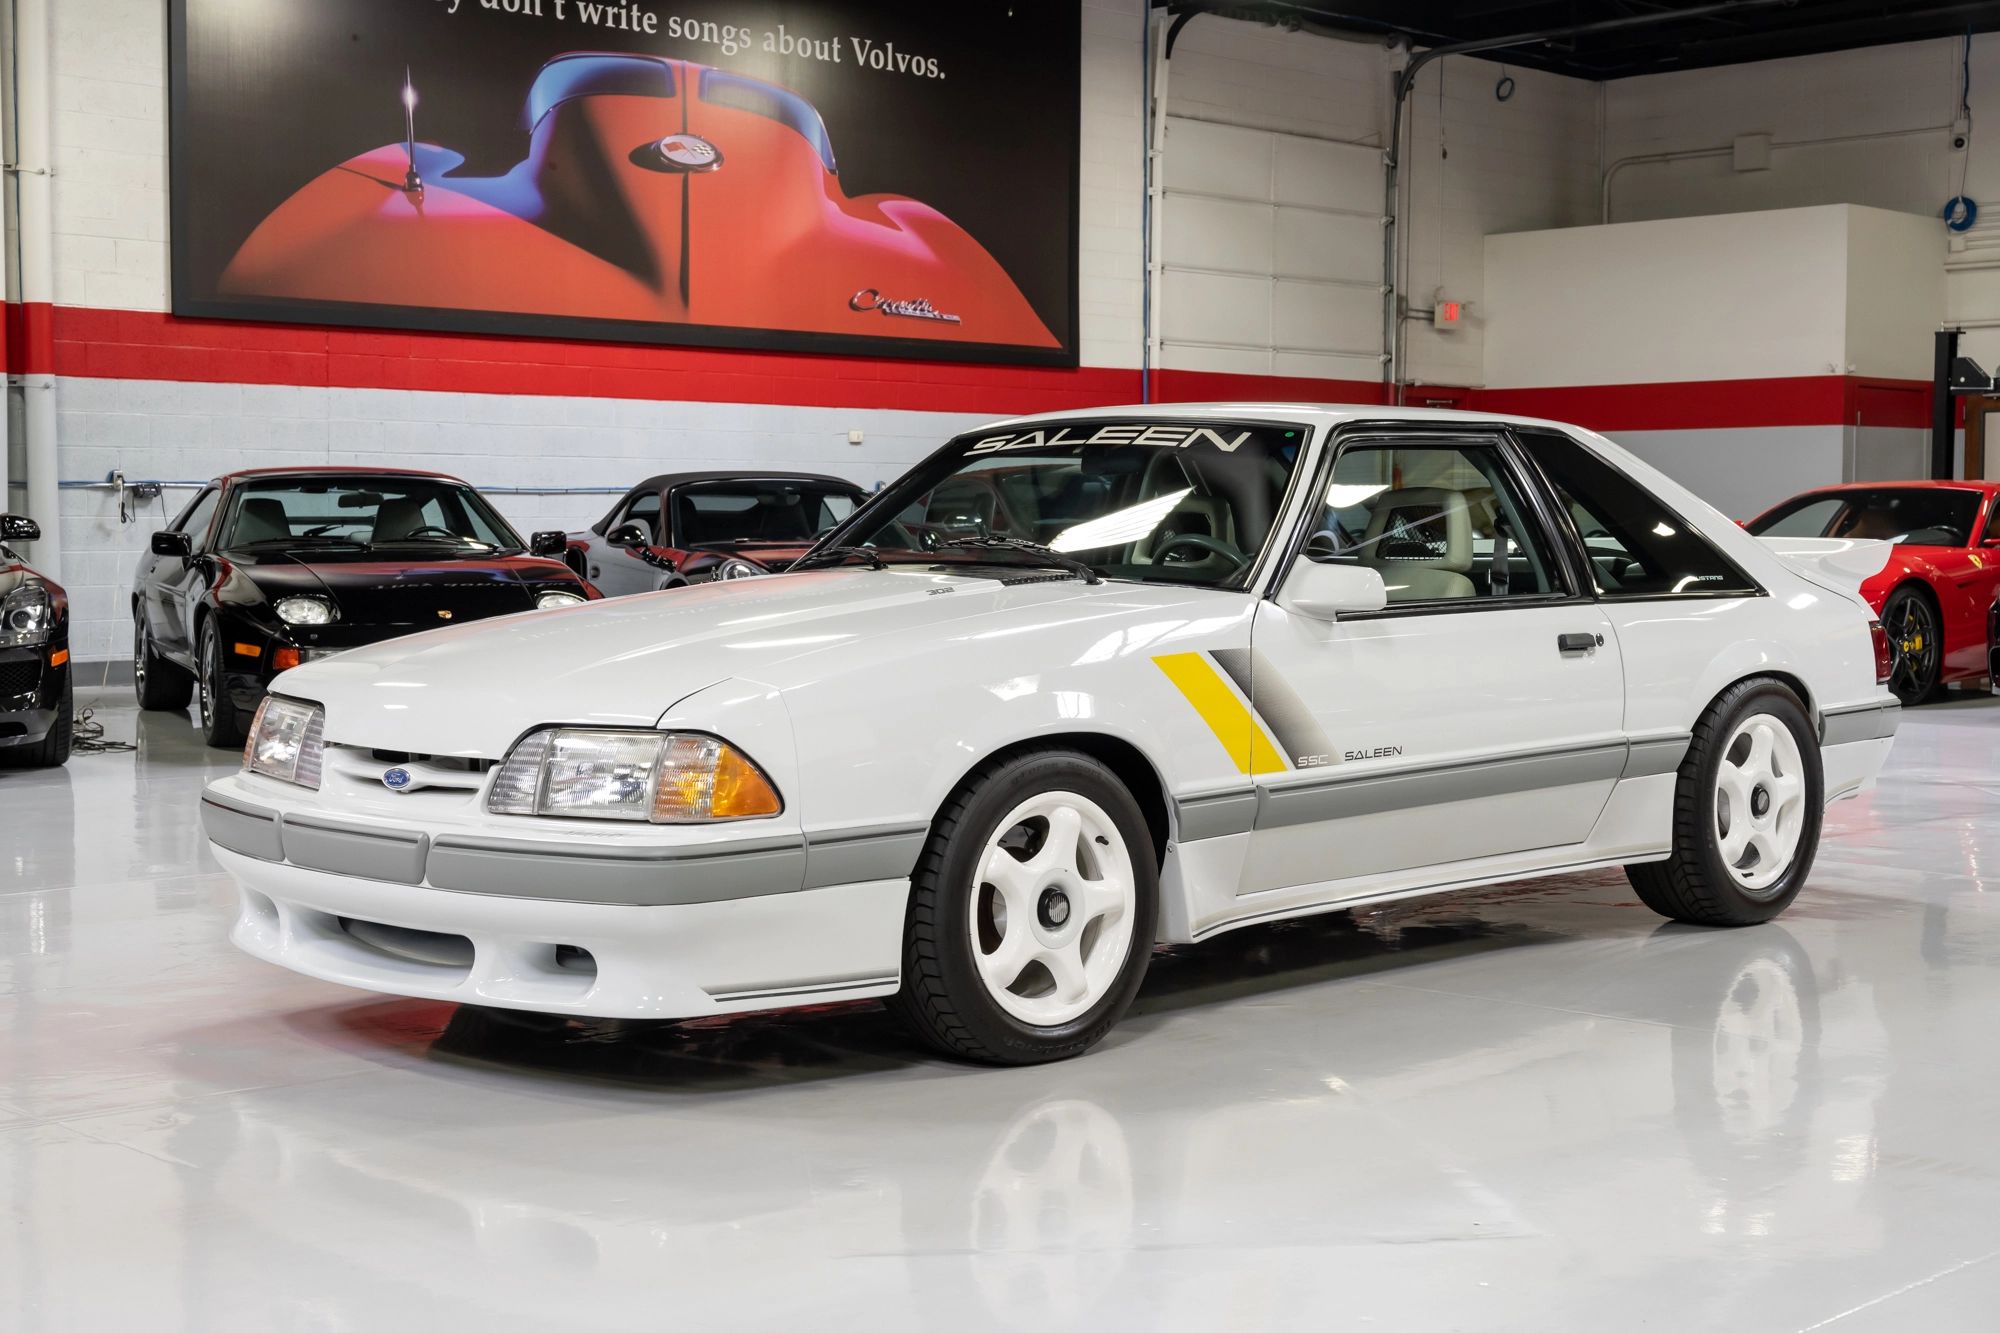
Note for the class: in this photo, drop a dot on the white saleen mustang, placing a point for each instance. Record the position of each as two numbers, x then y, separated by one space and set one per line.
1071 687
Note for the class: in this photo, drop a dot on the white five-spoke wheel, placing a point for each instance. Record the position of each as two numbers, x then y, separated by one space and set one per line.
1760 797
1747 804
1033 911
1052 920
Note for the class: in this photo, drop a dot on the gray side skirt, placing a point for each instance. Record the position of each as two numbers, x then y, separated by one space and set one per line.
1319 798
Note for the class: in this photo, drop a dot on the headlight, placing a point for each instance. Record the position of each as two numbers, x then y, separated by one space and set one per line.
665 777
27 617
549 601
306 611
285 741
737 568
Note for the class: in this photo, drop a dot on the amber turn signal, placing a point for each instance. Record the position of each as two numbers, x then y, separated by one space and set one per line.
702 779
284 659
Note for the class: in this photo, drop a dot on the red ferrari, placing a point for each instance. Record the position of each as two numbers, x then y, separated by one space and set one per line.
1939 595
653 190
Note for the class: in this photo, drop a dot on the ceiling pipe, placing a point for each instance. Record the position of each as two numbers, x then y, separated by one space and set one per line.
1392 331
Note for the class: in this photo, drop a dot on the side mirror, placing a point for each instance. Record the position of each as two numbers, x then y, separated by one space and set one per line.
177 544
628 535
1326 592
15 528
551 544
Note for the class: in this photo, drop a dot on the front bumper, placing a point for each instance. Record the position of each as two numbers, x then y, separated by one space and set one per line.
673 932
31 694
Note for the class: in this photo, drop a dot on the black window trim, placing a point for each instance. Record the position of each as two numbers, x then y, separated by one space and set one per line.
1496 437
1580 551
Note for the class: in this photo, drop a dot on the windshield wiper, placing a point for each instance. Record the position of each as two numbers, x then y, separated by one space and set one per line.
1046 555
305 539
841 553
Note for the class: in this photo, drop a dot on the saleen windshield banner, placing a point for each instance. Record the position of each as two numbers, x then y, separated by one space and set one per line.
896 177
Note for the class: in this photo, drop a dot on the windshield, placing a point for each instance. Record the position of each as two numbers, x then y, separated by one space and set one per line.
1919 516
724 512
1148 501
363 512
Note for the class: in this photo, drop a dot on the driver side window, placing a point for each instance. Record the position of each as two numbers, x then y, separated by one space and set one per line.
1440 523
645 511
194 522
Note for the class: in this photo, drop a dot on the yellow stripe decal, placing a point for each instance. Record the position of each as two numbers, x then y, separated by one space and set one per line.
1233 724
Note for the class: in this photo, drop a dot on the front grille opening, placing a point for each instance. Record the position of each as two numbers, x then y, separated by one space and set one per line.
453 762
20 678
431 948
576 958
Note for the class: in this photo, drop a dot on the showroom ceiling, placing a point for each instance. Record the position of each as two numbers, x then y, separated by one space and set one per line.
1612 39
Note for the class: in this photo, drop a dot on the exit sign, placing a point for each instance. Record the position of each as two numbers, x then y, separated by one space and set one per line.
1447 314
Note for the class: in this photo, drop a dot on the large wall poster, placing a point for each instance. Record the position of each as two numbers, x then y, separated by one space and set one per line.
891 177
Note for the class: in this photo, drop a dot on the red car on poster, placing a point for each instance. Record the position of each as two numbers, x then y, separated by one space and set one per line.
653 191
1937 595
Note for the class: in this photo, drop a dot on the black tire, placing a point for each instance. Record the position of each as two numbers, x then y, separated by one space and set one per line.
1916 645
52 751
222 724
161 686
943 997
1696 884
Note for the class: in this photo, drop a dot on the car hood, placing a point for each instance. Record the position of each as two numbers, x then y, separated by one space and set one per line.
625 661
370 590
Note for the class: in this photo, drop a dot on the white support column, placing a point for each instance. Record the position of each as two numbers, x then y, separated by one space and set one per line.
34 99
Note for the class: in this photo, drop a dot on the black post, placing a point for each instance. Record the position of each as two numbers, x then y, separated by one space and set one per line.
1942 405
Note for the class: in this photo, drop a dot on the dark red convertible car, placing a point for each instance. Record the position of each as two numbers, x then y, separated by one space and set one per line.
653 190
1937 595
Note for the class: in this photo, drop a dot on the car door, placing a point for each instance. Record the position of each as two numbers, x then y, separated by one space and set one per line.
1480 713
173 584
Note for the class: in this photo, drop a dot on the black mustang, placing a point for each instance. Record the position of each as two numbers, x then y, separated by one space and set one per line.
270 568
691 527
36 696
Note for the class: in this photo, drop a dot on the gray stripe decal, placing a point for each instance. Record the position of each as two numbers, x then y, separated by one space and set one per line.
1655 755
241 828
1217 815
1374 793
642 877
395 855
1870 722
854 856
1289 719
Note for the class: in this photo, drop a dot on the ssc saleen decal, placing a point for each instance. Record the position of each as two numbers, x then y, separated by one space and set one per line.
1163 436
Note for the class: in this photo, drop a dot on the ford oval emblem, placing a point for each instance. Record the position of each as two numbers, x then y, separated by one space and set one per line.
397 779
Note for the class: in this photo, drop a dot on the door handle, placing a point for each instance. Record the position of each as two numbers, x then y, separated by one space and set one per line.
1578 643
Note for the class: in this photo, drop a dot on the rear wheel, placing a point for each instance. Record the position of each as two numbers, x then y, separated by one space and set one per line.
221 723
1916 645
1746 812
1032 912
160 685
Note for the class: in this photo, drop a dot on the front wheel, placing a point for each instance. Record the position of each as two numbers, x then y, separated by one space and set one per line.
1031 914
221 723
1916 646
1747 812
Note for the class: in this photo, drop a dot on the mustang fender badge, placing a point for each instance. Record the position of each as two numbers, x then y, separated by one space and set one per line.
398 779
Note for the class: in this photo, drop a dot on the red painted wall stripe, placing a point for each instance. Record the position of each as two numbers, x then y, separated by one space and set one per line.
127 344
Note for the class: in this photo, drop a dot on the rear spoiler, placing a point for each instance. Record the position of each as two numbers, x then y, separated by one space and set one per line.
1840 563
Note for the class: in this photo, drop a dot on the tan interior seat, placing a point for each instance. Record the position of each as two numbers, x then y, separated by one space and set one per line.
1420 539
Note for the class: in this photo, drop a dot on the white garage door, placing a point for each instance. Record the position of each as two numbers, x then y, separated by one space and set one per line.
1271 253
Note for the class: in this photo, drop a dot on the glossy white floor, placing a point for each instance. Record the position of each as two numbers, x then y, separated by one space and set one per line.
1528 1107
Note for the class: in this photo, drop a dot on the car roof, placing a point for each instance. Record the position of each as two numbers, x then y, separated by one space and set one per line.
335 471
668 480
1314 414
1912 484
